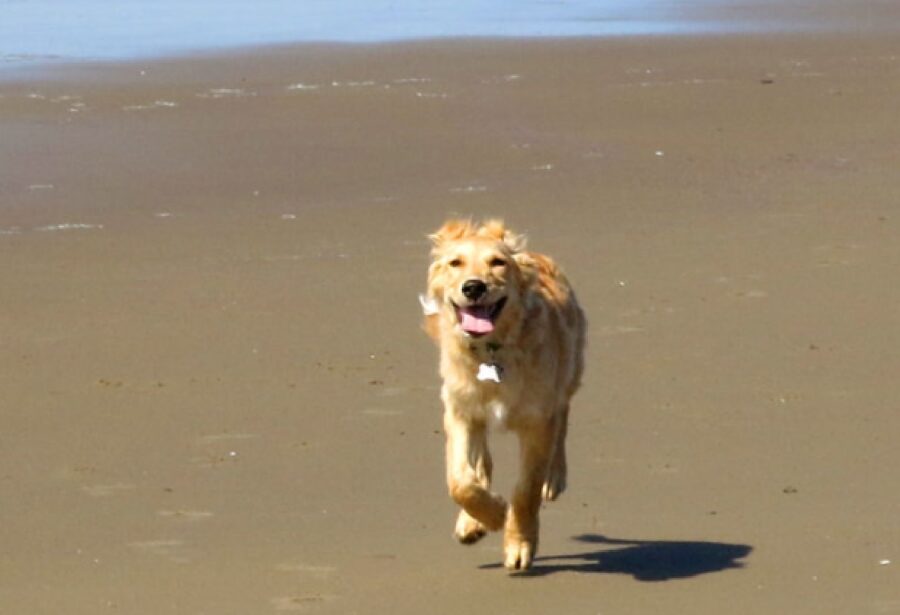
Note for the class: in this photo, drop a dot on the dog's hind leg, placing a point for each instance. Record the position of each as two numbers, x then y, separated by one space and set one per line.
520 538
468 479
555 482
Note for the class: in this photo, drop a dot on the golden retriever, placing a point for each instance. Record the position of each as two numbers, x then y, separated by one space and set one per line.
511 337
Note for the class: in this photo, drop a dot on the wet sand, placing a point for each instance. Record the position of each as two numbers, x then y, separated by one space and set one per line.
216 398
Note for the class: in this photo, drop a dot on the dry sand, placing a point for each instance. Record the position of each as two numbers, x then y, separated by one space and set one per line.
216 399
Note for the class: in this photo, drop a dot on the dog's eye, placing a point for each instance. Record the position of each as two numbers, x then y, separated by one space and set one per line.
497 262
455 262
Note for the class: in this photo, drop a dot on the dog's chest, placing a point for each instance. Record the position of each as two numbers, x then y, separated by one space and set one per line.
497 413
501 401
492 385
507 408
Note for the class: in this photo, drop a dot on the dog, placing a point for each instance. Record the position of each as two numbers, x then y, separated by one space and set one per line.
511 336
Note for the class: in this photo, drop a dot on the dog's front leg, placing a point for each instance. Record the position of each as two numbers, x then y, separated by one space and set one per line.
468 478
520 538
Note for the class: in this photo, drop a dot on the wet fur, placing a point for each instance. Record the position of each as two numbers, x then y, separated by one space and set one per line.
538 339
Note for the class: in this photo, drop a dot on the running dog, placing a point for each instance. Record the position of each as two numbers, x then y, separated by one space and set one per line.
511 338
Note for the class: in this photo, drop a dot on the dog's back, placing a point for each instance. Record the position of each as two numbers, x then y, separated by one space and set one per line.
561 317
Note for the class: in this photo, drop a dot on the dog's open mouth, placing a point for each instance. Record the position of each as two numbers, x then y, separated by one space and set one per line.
477 320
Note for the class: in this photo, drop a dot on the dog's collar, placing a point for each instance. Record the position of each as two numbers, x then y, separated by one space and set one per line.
491 347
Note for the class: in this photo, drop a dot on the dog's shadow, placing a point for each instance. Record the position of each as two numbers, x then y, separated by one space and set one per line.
645 560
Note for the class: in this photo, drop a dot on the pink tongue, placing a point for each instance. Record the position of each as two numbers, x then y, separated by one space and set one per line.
475 320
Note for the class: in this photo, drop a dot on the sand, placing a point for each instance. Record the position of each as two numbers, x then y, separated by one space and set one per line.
216 397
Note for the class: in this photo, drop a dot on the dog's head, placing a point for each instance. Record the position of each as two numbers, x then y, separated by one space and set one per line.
474 278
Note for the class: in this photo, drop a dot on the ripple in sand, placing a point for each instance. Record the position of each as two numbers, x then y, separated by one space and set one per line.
156 104
213 457
100 491
407 80
67 226
299 602
394 391
303 87
468 189
170 549
382 412
225 93
752 294
185 515
501 79
229 436
220 437
353 84
315 570
610 330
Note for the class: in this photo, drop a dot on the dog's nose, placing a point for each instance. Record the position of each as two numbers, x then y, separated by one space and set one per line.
474 289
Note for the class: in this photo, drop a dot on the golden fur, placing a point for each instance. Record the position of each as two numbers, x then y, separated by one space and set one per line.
535 343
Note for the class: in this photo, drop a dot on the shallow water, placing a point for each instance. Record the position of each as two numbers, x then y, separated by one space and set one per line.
34 30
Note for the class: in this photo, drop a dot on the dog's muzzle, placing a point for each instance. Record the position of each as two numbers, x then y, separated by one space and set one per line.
474 289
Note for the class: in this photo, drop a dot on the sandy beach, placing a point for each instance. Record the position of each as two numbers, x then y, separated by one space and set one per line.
216 398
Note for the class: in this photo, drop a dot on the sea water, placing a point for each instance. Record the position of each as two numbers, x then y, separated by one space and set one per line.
35 30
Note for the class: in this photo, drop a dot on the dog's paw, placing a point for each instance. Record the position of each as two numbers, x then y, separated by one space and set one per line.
555 484
468 530
518 553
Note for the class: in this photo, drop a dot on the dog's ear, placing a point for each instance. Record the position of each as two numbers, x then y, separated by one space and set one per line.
430 310
434 290
450 231
527 269
515 242
497 230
